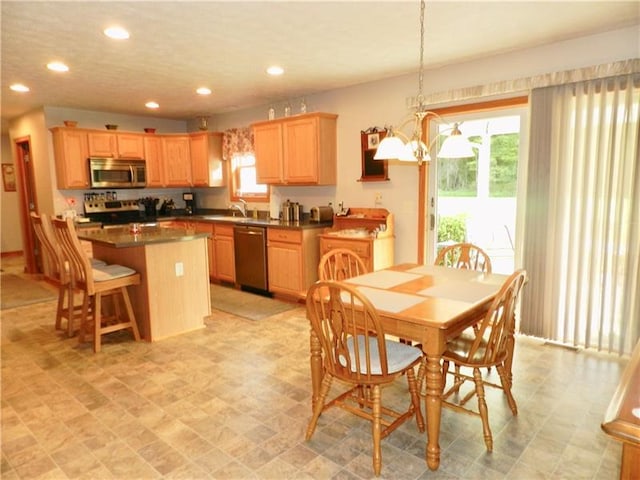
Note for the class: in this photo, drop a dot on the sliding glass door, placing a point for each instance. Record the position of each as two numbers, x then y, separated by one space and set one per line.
476 199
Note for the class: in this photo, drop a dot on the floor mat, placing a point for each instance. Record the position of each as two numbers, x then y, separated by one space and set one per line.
16 291
246 305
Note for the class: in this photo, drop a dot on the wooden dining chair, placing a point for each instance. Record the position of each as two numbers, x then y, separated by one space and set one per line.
354 350
490 345
464 255
97 283
339 264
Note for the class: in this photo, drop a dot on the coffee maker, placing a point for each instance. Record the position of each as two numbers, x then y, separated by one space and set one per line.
190 203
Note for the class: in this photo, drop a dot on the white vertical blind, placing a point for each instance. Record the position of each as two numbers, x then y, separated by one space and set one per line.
582 241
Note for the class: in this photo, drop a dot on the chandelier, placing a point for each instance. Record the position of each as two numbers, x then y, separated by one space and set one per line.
411 148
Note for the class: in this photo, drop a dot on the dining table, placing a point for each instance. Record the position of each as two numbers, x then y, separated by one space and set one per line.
428 305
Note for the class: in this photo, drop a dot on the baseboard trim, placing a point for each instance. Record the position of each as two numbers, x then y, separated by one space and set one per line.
566 346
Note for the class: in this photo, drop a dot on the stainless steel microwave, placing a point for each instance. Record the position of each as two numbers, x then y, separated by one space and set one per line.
117 173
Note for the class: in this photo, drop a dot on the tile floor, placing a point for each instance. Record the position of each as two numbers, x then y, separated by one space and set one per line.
231 401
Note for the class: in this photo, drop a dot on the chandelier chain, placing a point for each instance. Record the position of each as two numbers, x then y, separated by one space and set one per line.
421 73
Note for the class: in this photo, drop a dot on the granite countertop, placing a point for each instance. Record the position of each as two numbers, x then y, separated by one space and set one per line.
122 236
256 222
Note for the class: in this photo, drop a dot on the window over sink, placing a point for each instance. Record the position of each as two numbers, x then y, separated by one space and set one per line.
243 179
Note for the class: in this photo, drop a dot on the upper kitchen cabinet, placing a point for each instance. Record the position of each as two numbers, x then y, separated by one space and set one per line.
102 144
267 139
71 152
116 145
207 168
154 157
298 150
177 161
130 145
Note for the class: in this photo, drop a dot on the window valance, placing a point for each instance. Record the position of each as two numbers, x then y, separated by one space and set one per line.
237 141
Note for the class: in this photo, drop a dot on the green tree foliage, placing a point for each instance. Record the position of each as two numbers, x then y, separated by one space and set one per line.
504 165
452 229
457 177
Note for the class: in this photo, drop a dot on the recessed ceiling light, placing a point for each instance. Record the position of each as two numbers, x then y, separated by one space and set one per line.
117 33
203 91
18 87
57 67
152 105
275 70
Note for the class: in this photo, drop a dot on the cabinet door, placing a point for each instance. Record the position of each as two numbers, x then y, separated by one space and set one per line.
177 161
130 145
102 144
268 150
362 248
71 152
199 150
285 267
301 151
225 266
154 161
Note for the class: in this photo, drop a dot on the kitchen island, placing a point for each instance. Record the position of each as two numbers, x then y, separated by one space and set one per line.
173 296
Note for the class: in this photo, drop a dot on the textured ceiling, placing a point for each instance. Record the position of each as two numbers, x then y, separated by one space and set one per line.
176 47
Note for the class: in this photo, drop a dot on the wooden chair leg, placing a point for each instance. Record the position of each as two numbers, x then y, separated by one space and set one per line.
422 371
97 323
130 315
482 407
71 311
376 429
415 399
84 316
506 386
317 409
60 310
445 370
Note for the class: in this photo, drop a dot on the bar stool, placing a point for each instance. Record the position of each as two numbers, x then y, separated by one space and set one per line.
96 283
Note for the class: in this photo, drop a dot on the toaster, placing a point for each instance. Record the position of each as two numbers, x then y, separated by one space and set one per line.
321 214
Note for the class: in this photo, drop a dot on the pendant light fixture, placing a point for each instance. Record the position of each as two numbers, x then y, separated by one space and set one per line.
411 148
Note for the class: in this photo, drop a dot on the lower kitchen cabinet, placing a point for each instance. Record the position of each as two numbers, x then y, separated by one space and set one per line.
223 264
207 228
293 260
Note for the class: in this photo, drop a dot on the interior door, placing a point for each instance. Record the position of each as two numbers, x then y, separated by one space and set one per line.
477 199
28 204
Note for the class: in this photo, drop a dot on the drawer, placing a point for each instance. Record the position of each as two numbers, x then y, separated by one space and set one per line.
223 229
203 227
284 235
361 247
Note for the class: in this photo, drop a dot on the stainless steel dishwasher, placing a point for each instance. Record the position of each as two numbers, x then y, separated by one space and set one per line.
250 244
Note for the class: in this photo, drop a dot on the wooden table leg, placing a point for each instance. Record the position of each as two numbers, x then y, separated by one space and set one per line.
316 367
433 408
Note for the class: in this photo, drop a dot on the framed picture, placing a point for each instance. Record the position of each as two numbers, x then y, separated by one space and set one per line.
373 139
372 170
9 177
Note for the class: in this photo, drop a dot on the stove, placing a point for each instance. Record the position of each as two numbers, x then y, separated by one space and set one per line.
113 212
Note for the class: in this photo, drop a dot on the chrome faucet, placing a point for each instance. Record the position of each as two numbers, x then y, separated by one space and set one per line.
242 208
